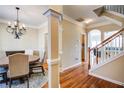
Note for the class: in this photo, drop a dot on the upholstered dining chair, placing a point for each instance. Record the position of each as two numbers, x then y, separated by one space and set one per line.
3 75
38 65
18 67
36 53
3 70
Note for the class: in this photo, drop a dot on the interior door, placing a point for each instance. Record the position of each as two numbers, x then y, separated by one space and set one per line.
83 47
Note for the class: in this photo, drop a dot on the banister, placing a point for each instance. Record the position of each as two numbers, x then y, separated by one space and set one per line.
107 39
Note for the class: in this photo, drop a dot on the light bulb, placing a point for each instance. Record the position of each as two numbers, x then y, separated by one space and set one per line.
9 23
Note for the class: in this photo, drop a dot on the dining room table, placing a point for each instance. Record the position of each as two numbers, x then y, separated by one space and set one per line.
4 61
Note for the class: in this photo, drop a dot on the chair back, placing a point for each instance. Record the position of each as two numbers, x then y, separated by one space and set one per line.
36 53
14 52
2 54
44 57
18 65
29 52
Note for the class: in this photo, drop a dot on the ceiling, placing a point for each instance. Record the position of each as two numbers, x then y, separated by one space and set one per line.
32 14
83 11
28 14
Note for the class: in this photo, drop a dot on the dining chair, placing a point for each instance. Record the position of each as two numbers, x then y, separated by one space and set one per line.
18 67
3 74
8 53
29 52
3 70
36 66
36 53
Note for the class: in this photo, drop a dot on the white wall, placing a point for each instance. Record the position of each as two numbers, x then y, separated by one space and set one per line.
27 41
41 34
41 37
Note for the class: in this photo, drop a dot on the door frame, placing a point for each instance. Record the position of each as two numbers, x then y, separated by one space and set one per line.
85 49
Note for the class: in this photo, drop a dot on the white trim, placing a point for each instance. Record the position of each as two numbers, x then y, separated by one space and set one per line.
114 20
116 13
107 61
43 25
98 24
75 65
73 21
51 12
107 79
53 61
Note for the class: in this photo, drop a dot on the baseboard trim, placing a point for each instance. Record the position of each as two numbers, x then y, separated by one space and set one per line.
107 79
63 69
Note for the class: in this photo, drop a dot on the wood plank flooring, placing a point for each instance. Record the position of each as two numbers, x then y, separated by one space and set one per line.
78 77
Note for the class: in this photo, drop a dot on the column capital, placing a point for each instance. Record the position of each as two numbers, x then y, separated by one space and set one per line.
51 12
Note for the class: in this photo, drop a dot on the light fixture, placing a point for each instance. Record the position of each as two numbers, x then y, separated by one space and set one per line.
17 29
87 21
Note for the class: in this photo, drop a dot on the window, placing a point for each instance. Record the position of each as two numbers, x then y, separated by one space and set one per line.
94 38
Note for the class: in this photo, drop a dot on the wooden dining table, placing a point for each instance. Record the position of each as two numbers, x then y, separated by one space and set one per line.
4 62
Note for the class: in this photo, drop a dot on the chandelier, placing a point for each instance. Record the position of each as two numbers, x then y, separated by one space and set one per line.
17 29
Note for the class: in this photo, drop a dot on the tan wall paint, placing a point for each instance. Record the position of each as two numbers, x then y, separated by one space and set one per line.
71 45
27 41
113 70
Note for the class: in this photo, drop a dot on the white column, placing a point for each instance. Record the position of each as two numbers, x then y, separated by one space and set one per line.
54 19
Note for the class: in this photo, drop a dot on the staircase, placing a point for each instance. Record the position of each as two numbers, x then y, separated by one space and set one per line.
107 50
115 8
106 58
114 13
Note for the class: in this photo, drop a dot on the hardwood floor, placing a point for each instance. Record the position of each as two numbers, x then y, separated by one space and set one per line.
78 77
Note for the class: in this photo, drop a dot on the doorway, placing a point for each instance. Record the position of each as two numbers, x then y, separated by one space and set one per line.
82 39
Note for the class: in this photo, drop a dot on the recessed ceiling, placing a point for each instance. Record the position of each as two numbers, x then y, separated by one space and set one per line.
29 14
83 11
33 14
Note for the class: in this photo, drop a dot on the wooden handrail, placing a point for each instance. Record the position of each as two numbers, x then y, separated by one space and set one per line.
107 39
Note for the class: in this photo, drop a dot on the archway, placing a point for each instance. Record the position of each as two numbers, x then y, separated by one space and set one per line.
94 38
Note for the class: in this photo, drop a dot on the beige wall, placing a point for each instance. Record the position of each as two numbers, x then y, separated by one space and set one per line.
27 41
71 46
113 70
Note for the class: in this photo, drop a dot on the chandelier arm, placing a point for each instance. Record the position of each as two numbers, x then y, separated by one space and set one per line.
17 30
9 30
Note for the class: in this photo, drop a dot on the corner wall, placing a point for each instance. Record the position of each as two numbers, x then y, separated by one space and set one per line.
71 45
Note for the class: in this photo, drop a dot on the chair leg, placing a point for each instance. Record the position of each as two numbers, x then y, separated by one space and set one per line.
6 79
43 70
27 81
10 81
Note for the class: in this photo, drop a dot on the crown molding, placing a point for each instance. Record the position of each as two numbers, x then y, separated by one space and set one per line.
116 13
43 25
66 18
51 12
114 20
73 21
